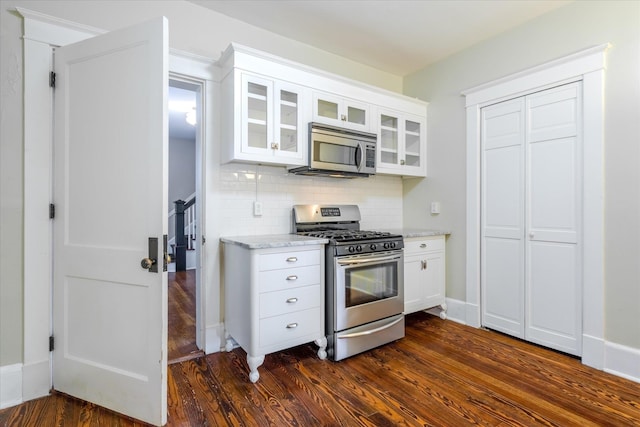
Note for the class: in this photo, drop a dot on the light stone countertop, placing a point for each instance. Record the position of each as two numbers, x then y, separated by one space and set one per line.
418 232
273 241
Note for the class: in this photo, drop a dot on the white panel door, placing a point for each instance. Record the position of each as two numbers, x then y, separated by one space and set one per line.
110 190
531 218
554 291
502 267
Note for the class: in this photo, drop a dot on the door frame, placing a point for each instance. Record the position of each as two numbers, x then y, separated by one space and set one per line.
41 34
587 66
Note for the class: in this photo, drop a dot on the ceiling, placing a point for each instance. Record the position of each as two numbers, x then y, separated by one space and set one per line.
396 36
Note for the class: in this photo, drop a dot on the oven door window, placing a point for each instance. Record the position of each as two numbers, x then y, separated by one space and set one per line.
365 284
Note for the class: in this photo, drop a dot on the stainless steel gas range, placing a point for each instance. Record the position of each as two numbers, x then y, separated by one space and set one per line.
364 279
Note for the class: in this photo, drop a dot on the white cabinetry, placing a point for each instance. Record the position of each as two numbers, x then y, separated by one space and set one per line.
424 274
267 121
274 299
268 101
402 143
343 112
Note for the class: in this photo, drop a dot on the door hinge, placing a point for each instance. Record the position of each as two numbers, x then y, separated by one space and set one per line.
51 343
52 211
204 240
52 79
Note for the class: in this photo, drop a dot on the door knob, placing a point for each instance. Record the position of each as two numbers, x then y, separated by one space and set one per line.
532 235
147 263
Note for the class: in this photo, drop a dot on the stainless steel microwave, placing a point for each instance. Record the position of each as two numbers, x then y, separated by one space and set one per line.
339 152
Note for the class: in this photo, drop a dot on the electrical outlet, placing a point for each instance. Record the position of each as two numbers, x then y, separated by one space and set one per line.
257 208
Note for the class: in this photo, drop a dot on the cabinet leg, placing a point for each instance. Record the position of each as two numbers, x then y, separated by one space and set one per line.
229 342
254 362
322 351
443 312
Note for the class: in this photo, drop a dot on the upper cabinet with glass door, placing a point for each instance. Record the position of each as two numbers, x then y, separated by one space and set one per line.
342 112
269 127
267 103
402 144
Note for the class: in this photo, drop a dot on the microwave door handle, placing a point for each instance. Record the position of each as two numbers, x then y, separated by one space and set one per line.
359 155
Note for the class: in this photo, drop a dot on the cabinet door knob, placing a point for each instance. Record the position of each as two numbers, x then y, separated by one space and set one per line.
292 325
274 145
292 259
292 277
292 300
343 118
532 235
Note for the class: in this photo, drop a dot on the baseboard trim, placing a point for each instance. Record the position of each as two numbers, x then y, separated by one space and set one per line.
10 385
622 361
214 338
456 310
36 380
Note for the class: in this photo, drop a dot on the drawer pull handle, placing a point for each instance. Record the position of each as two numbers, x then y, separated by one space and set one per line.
424 245
292 300
292 259
292 277
292 325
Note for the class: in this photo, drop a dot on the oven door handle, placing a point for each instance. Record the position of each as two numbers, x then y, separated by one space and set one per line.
372 331
368 261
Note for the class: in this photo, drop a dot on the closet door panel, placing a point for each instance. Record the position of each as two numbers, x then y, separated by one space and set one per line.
503 290
553 204
553 296
502 269
553 113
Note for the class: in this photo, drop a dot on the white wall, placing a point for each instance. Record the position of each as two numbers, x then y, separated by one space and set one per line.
572 28
192 29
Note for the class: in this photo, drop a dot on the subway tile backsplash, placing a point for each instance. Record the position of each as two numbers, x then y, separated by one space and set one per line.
379 198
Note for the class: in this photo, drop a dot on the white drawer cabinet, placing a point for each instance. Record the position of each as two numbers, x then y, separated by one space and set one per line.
274 299
424 274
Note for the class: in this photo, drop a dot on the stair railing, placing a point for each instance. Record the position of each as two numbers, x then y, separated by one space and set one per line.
185 229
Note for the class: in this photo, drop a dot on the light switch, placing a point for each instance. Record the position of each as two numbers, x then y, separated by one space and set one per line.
257 208
435 208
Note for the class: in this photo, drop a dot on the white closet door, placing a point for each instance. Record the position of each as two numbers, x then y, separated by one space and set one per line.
553 211
503 217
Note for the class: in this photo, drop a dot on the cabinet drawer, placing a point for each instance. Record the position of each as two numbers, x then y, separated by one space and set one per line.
414 245
288 327
289 300
290 278
290 259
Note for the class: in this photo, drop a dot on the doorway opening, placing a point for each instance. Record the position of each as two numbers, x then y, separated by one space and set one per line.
184 216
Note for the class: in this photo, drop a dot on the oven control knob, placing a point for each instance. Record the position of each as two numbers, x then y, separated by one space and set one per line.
359 248
393 245
352 249
373 247
386 245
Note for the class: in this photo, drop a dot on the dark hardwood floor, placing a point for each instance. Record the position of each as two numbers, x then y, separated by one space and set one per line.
181 343
441 374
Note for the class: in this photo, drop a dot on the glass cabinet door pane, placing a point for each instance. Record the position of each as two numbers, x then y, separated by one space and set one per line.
328 109
412 143
288 121
388 139
257 115
356 115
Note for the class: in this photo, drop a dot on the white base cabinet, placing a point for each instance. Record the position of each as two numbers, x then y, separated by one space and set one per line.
274 300
424 274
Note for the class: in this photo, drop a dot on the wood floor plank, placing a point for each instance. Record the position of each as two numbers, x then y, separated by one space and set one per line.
441 374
